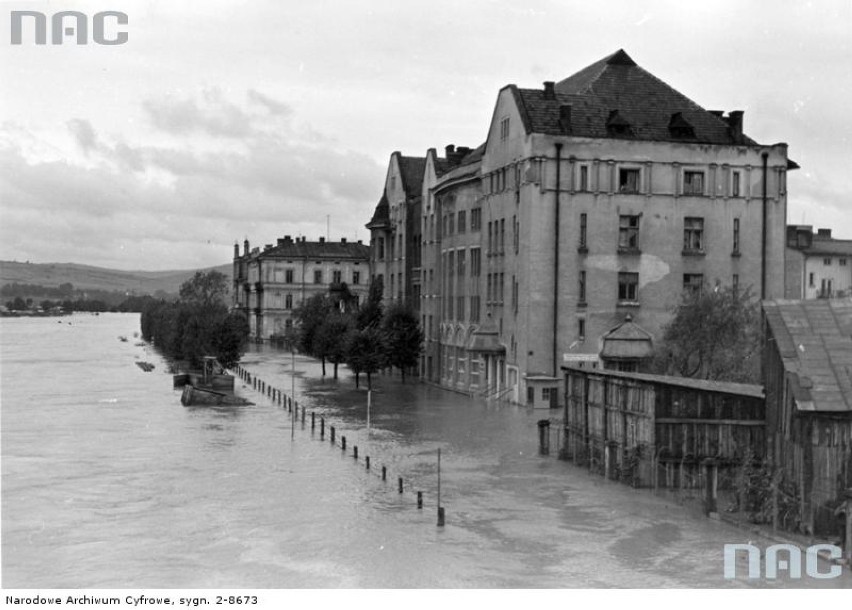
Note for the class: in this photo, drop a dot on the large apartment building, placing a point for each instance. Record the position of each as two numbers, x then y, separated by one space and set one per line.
571 233
270 283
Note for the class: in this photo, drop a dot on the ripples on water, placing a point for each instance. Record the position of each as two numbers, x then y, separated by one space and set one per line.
108 482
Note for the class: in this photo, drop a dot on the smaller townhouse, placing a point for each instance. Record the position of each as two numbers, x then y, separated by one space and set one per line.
818 266
270 284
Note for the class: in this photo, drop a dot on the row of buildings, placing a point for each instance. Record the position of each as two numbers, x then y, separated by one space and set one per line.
568 236
565 238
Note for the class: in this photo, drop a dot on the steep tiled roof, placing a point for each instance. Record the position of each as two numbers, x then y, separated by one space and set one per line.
616 83
318 250
412 169
814 340
381 216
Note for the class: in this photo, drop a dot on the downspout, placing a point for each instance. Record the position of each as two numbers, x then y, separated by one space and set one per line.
556 259
765 156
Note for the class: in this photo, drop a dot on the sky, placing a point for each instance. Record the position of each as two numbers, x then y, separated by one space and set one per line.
225 120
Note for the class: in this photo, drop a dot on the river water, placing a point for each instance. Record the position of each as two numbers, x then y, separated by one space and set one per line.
108 482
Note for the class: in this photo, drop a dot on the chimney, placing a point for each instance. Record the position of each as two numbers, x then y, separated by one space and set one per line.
549 90
462 151
735 124
236 250
717 113
565 118
322 240
280 242
360 242
342 240
245 248
288 239
449 150
825 233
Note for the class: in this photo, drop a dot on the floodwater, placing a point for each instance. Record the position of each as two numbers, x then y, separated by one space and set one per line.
108 482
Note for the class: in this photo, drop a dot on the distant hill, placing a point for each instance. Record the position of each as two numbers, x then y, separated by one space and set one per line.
85 277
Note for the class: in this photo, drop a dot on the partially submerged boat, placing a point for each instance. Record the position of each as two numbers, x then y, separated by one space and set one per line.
209 387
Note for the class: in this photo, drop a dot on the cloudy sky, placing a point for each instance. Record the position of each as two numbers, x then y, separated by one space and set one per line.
221 120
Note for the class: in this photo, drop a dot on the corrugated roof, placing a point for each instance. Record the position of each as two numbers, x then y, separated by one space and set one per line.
814 340
616 83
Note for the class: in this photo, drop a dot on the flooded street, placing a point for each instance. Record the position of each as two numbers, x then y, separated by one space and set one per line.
108 482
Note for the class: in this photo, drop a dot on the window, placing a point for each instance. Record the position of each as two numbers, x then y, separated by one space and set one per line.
583 221
475 262
336 276
288 276
735 184
452 220
693 183
826 262
462 221
461 261
474 308
288 324
841 262
693 282
502 234
736 249
693 234
356 277
476 219
811 279
380 249
581 329
515 288
628 287
628 180
288 301
504 129
628 232
317 276
584 178
490 237
582 287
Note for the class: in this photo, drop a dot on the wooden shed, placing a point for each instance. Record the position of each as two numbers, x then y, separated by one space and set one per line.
808 380
654 430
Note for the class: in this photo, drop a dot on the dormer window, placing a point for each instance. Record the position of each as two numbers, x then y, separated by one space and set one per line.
617 125
680 128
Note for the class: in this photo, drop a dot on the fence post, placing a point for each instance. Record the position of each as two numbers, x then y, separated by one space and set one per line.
848 546
711 471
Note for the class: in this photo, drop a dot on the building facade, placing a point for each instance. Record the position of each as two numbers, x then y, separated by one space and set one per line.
817 265
269 284
395 231
594 202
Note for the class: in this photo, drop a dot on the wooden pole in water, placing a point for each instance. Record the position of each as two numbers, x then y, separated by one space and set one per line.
369 400
293 385
440 508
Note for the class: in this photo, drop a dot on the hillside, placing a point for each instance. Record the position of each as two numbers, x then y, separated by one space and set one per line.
97 278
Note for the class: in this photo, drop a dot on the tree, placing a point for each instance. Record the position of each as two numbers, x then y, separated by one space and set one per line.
370 313
404 337
366 352
714 334
330 339
206 288
310 315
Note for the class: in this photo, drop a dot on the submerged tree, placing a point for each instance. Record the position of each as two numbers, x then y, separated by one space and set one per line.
366 352
403 336
714 334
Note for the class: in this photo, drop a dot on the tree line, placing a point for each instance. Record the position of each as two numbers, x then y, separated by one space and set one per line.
198 324
366 338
